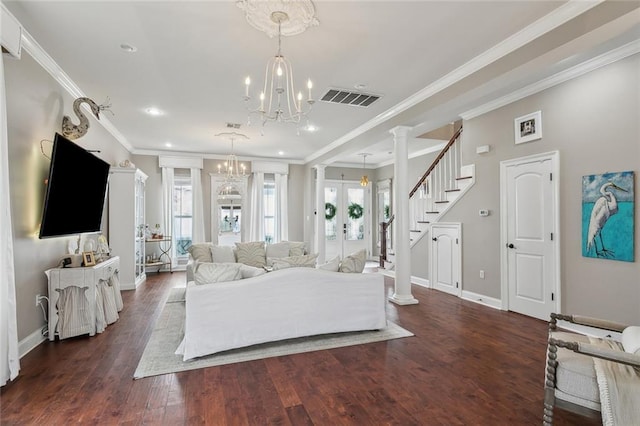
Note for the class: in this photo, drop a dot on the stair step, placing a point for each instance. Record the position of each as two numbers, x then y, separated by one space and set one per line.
441 202
451 190
464 177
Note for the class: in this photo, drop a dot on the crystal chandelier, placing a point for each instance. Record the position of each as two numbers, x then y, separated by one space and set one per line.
233 171
364 181
278 99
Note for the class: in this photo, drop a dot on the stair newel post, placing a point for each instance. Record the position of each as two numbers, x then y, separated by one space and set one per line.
402 246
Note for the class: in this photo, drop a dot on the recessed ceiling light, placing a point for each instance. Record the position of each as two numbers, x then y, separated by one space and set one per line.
168 145
280 152
128 48
310 128
154 111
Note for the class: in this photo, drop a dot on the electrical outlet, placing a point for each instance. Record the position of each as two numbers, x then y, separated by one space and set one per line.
481 273
39 299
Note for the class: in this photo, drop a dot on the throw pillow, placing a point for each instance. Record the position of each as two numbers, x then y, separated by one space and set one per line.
631 339
223 254
296 248
252 254
354 263
306 261
207 273
250 271
201 252
332 265
278 250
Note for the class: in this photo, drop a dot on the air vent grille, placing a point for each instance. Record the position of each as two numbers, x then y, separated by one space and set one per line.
349 97
233 125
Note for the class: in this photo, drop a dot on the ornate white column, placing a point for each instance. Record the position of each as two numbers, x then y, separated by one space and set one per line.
402 294
320 222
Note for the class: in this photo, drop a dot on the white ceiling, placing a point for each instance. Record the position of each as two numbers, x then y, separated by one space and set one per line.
192 58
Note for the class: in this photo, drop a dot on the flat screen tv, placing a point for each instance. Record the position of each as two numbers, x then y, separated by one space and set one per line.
75 192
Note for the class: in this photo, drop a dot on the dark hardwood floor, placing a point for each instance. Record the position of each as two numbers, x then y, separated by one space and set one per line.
467 365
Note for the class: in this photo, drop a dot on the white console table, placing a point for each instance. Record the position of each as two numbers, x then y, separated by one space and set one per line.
89 277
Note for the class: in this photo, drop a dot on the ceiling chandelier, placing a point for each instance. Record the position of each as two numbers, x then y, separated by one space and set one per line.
232 170
364 181
279 101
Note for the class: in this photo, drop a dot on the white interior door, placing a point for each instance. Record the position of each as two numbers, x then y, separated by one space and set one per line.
445 258
348 230
530 246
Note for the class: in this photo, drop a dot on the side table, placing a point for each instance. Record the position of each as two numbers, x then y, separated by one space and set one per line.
164 244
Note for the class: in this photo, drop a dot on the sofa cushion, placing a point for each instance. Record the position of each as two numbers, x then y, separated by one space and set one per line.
296 248
332 265
251 271
354 263
305 261
223 254
208 273
201 252
631 339
576 375
252 254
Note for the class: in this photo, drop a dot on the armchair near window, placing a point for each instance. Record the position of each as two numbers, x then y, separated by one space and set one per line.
577 377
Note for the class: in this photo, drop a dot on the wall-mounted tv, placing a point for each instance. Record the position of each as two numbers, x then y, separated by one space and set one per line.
75 192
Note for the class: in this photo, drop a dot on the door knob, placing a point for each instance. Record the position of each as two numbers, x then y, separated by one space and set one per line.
511 246
434 239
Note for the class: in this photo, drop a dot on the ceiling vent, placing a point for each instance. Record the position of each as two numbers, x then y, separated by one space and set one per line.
349 97
233 125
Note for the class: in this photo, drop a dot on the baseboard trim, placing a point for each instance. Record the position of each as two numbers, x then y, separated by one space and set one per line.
422 282
589 331
29 343
481 299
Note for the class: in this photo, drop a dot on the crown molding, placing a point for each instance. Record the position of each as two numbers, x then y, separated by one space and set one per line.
585 67
33 48
557 17
187 154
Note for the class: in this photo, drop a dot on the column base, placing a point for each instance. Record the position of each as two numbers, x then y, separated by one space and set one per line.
403 300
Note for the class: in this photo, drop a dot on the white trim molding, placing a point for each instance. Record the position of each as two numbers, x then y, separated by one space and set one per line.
30 342
422 282
491 302
607 58
180 162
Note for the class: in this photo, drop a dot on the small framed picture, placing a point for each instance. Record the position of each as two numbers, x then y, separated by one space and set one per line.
88 258
528 127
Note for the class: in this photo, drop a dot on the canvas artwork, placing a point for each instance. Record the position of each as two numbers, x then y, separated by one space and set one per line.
607 216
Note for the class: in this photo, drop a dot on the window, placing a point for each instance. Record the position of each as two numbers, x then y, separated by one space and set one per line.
182 214
270 211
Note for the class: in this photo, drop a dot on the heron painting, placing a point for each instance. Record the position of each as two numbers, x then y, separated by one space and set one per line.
607 216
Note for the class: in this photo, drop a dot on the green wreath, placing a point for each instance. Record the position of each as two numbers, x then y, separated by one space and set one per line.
355 211
329 211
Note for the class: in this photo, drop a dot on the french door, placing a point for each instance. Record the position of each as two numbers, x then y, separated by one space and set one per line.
347 218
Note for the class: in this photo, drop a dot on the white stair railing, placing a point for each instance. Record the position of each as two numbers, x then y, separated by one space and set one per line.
431 194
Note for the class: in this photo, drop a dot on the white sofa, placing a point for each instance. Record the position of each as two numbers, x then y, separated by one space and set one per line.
209 252
283 304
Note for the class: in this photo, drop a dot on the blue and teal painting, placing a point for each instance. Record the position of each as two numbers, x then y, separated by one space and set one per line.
607 216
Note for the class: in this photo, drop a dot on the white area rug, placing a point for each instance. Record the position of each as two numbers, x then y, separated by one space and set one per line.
159 358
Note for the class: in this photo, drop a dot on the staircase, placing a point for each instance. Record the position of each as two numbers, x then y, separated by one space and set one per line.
444 182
